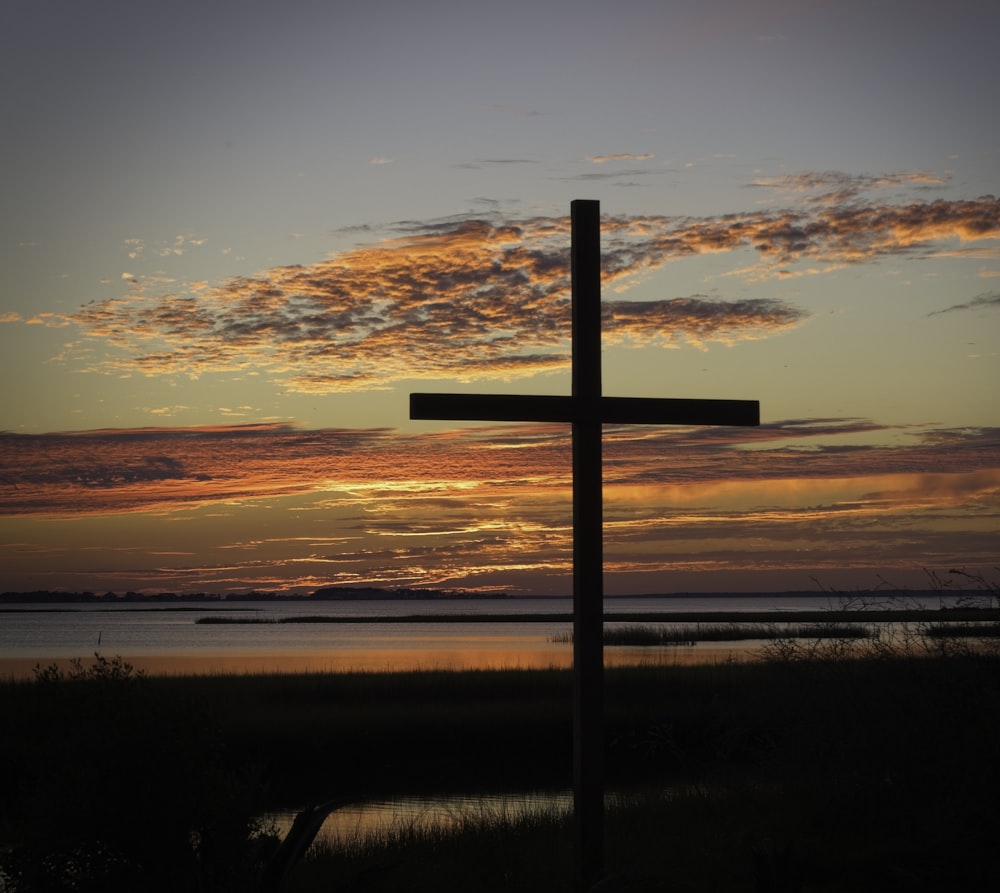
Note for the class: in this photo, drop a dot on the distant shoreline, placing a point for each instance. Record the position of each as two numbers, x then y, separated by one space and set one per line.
349 593
962 614
897 615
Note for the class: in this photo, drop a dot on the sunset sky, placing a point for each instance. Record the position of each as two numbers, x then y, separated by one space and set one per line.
234 236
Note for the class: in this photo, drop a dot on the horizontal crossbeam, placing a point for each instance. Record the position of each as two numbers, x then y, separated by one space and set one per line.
608 410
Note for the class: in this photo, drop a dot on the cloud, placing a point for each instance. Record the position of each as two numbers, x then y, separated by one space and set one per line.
837 187
149 468
987 301
47 319
697 319
179 246
624 156
850 233
166 411
378 159
480 163
171 468
979 252
616 174
488 505
497 295
495 291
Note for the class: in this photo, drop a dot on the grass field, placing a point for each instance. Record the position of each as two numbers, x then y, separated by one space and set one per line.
806 771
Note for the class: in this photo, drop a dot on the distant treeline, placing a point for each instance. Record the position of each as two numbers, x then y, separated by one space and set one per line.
332 593
855 601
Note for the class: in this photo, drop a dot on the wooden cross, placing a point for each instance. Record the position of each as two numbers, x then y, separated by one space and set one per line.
586 409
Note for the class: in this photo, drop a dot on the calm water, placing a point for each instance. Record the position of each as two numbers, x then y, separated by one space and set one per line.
358 821
162 639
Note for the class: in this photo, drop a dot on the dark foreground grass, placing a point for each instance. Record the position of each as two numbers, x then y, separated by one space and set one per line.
877 773
868 775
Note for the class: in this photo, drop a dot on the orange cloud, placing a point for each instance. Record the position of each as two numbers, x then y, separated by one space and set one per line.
495 291
138 469
622 156
174 508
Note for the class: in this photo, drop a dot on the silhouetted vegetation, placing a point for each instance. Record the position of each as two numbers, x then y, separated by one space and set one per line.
814 773
644 634
331 593
112 781
876 772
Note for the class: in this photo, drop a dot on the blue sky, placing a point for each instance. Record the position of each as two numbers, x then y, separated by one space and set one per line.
288 216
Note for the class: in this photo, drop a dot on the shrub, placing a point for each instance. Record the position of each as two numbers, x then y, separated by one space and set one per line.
112 783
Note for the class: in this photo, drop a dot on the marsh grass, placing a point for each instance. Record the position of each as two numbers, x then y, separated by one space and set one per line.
964 630
681 839
487 849
874 773
638 635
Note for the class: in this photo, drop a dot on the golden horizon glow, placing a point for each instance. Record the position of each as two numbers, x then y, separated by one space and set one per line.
328 506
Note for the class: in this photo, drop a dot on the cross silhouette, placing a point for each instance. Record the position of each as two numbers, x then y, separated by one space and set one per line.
586 409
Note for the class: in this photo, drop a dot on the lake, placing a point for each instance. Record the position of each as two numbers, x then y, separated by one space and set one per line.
167 639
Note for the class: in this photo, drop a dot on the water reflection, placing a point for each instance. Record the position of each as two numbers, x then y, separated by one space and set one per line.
369 660
169 641
381 818
494 656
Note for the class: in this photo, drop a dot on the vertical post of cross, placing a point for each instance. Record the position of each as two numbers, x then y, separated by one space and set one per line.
588 545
